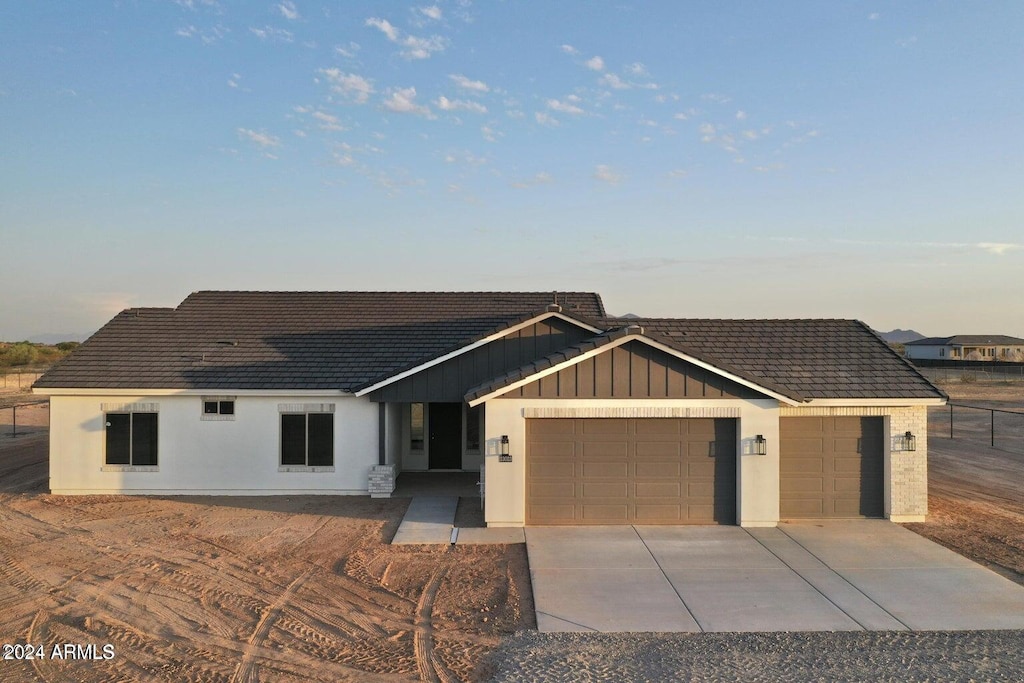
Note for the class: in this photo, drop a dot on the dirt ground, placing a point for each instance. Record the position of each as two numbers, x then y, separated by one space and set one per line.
976 492
281 588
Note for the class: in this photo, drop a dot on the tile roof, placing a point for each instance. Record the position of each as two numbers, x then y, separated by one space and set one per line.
350 340
968 340
292 340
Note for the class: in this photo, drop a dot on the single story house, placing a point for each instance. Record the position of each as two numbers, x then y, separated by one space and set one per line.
967 347
570 415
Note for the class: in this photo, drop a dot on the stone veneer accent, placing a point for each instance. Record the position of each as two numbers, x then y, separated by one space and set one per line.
907 475
382 481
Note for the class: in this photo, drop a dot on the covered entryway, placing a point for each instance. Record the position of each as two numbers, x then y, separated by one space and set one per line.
630 470
831 467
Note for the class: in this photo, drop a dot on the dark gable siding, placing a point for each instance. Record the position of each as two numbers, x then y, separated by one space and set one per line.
449 381
633 370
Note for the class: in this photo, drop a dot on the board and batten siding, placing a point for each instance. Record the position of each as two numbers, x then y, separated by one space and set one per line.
449 381
633 370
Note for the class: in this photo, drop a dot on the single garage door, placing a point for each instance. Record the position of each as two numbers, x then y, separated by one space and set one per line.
831 467
630 471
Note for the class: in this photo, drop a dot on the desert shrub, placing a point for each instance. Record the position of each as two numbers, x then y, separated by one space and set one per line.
21 353
67 347
968 377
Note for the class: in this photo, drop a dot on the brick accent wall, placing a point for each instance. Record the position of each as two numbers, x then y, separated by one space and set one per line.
382 481
907 473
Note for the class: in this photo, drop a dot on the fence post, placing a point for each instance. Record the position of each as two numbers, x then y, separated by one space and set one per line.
993 414
950 420
14 421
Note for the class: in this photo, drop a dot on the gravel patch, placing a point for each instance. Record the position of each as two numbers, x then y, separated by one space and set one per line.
830 656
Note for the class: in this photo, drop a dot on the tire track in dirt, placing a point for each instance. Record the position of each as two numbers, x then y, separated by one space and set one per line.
430 667
247 669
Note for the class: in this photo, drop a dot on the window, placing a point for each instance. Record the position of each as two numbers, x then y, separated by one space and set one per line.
131 439
218 408
307 439
416 427
473 428
942 352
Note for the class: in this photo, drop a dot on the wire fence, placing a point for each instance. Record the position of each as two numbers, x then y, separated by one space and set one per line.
24 419
994 427
974 373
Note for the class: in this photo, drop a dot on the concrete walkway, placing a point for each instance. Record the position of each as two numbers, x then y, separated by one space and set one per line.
431 520
822 576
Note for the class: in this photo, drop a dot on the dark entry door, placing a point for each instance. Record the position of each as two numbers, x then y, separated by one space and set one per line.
445 436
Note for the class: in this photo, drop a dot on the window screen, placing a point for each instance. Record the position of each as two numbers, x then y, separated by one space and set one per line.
321 439
293 439
143 438
119 441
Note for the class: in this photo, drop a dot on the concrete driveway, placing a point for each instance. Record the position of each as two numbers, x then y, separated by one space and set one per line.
820 576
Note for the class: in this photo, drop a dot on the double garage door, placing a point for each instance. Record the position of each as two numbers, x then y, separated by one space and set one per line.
630 471
683 471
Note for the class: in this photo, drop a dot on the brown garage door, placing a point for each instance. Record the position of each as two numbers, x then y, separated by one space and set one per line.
831 467
628 470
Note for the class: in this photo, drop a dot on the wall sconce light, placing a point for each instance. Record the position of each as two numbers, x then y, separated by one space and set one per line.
503 455
760 445
909 442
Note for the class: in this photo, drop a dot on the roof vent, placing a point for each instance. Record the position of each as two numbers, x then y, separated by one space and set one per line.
227 342
634 329
554 308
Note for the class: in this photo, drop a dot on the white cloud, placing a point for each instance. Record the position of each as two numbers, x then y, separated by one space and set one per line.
208 36
678 173
469 84
717 98
348 51
490 135
605 174
233 81
415 47
385 27
614 82
328 121
352 86
564 107
637 69
570 50
751 134
263 139
595 63
707 132
272 34
542 178
432 12
288 10
545 119
874 16
444 104
999 248
741 115
403 101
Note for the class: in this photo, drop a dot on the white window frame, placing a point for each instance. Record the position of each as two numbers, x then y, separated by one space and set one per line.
218 416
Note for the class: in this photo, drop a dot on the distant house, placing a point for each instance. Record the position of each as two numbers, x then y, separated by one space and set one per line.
967 347
576 417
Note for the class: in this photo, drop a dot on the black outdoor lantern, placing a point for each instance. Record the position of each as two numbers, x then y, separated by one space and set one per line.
909 442
503 455
760 445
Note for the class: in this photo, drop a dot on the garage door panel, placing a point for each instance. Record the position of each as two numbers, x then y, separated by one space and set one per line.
555 490
604 426
552 449
657 449
605 489
649 470
605 470
552 428
603 449
605 514
552 470
844 480
651 514
661 489
653 426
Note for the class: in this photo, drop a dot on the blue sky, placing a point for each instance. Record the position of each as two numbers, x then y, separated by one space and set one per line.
692 159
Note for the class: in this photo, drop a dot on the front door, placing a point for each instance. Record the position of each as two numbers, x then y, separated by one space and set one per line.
445 436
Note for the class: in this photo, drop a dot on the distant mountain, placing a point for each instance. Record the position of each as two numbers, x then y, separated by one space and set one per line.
901 336
57 337
629 315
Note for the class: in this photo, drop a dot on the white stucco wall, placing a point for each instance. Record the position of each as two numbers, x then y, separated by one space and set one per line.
238 457
757 475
